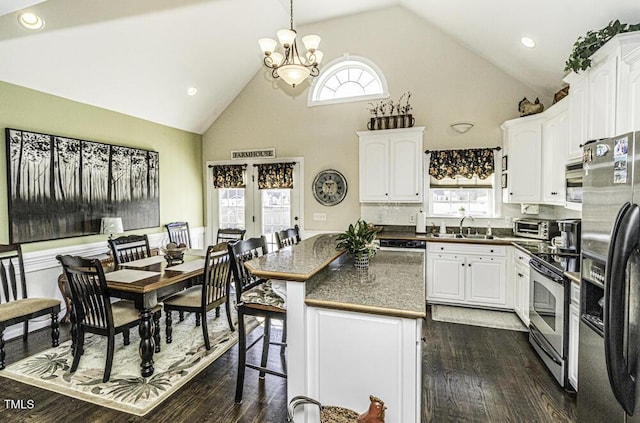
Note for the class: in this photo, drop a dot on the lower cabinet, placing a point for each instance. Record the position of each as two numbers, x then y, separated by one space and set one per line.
353 355
574 327
521 285
467 274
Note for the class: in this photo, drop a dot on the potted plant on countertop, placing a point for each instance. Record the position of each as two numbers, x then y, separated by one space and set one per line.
358 241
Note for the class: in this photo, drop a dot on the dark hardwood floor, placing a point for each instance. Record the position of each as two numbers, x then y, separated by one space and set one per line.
470 374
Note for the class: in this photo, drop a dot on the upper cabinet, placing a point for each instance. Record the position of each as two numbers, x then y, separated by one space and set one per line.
523 144
604 100
555 138
391 165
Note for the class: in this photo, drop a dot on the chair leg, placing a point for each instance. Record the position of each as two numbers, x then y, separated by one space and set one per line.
227 307
242 357
25 334
109 363
2 353
169 329
205 331
55 331
217 312
79 348
125 336
181 315
156 330
197 319
265 345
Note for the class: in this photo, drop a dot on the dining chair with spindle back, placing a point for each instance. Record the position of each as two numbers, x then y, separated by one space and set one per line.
15 305
129 248
201 299
230 235
179 233
255 297
287 237
93 311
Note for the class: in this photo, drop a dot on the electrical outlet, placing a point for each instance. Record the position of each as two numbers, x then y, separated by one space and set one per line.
412 218
321 217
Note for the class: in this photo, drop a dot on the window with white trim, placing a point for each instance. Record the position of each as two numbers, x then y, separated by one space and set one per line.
347 79
450 197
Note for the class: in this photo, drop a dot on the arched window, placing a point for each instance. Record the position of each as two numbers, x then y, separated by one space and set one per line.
348 78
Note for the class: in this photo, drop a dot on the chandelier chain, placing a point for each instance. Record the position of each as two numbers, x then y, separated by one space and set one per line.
291 14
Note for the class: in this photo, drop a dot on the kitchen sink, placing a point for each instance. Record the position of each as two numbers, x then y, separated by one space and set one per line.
465 236
447 235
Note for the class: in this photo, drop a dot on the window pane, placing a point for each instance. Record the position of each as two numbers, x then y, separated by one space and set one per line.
276 213
231 208
343 77
456 201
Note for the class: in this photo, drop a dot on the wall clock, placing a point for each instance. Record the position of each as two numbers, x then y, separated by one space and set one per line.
329 187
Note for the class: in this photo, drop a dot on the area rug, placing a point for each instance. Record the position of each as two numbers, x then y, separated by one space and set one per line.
127 390
477 317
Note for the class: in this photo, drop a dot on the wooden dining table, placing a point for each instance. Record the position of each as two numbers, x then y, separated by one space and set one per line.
146 282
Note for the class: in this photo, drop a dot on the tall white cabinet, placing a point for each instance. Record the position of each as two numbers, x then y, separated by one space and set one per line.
391 165
555 138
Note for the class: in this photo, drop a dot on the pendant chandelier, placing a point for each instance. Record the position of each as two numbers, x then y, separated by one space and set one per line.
288 64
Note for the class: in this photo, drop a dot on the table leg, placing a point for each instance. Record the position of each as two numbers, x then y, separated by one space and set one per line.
146 330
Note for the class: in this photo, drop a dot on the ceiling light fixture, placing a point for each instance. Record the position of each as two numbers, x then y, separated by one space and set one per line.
192 91
528 42
30 20
461 127
288 65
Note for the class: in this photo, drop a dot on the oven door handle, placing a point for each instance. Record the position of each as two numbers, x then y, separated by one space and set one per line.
544 346
624 239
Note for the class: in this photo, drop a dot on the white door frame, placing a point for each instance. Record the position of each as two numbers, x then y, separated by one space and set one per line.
211 204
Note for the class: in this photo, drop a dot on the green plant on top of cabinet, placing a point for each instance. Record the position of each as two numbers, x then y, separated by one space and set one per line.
391 165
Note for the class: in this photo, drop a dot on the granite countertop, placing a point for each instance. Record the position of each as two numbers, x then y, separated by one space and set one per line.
526 244
393 285
299 262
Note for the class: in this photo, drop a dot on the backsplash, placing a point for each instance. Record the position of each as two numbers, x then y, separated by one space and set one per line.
405 215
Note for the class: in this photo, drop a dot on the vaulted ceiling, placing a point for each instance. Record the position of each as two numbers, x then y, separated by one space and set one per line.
139 57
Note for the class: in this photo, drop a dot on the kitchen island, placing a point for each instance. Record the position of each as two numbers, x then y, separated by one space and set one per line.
351 333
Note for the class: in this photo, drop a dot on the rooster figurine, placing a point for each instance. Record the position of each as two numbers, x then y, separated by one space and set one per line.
375 414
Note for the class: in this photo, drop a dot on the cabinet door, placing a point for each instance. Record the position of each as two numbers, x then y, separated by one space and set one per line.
486 281
578 116
525 147
374 169
555 135
602 98
574 327
522 293
405 178
629 95
445 277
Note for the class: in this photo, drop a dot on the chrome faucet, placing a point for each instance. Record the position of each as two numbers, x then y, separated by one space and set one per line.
462 221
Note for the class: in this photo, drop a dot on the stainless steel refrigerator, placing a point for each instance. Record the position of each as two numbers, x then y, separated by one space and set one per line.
610 284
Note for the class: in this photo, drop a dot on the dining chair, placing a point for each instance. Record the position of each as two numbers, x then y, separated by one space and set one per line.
230 235
15 305
129 248
179 233
255 297
93 311
201 299
287 237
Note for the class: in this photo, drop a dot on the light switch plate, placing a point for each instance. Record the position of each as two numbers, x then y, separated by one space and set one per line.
321 217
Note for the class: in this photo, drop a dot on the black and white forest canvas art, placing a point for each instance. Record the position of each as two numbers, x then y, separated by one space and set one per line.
61 187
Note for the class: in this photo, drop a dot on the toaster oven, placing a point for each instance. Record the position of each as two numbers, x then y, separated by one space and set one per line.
535 228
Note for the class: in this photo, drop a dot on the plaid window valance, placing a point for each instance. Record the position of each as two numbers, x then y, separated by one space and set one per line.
228 176
466 163
275 175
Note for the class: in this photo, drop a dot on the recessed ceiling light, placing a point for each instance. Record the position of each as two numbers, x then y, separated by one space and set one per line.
192 91
30 20
528 42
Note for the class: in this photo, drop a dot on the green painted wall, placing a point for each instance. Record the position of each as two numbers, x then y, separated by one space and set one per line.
180 152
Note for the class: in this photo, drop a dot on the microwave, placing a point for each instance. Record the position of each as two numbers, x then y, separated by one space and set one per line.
573 183
541 229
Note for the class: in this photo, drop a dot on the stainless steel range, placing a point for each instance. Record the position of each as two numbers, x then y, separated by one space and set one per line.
549 309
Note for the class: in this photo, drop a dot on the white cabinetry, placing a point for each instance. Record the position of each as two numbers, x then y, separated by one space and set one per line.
391 369
578 114
521 281
467 274
391 165
574 326
555 136
629 96
523 142
602 96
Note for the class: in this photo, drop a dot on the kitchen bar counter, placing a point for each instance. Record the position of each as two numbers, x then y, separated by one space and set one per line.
393 286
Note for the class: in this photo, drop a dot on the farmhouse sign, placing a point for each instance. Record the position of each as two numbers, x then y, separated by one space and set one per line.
267 153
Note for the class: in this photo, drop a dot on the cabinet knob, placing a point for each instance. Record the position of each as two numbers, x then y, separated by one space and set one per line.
462 264
510 193
469 264
521 275
491 251
417 193
442 248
